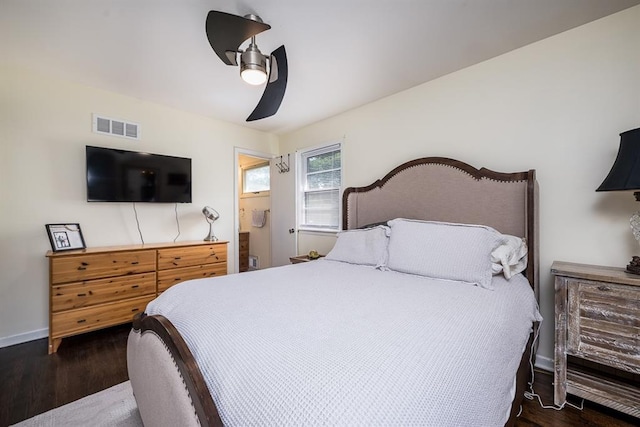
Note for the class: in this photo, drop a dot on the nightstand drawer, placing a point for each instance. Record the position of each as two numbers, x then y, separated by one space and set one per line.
604 323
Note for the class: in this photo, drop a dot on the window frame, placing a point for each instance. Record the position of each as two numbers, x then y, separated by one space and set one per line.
301 183
244 193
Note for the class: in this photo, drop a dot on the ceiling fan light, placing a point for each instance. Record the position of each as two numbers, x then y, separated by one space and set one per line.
253 66
253 77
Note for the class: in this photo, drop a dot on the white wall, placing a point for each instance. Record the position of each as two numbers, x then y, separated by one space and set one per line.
556 106
283 188
315 241
44 125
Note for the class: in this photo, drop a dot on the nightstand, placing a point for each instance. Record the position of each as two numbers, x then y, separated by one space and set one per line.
597 348
302 258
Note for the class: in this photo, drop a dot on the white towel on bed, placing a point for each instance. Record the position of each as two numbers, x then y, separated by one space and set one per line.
258 218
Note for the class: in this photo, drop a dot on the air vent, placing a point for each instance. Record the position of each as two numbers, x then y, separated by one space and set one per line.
254 263
115 127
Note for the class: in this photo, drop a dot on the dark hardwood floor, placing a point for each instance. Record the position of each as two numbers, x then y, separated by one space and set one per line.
32 382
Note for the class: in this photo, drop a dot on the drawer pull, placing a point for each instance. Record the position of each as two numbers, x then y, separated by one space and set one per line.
82 295
84 263
135 286
604 288
134 309
82 268
177 258
135 262
82 320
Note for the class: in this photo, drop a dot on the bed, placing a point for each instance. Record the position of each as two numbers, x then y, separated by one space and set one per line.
374 334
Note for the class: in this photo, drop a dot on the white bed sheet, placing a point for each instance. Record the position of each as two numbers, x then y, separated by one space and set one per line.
330 343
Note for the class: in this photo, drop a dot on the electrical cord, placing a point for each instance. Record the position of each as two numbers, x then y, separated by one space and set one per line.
177 223
135 212
531 394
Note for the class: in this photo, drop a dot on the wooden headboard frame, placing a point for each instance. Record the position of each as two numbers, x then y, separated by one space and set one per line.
442 189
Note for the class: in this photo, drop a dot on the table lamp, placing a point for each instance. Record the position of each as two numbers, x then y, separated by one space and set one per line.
625 176
211 215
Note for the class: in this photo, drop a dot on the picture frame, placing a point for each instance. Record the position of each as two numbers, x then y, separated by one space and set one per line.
65 237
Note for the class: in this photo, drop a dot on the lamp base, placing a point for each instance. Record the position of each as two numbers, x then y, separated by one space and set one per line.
634 265
210 237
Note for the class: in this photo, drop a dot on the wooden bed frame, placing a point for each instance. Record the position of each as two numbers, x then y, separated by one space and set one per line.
431 188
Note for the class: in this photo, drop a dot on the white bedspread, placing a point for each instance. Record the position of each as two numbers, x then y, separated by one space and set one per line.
329 343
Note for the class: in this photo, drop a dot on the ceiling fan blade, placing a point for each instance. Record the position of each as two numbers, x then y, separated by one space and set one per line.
226 33
276 86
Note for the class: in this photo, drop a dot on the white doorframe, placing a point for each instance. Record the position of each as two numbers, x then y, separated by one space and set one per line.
237 151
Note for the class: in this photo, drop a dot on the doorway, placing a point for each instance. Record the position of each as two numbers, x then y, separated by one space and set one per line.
252 210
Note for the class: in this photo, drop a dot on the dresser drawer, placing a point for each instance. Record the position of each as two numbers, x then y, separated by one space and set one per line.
193 255
168 278
72 322
604 323
100 291
243 241
75 268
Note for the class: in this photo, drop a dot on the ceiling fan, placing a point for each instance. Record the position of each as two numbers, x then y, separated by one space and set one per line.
226 33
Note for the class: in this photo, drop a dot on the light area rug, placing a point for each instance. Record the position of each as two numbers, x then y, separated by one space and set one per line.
114 406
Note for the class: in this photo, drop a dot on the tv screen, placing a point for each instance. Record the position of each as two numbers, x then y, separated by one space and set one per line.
130 176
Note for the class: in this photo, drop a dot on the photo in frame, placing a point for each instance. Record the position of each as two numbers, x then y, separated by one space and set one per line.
65 237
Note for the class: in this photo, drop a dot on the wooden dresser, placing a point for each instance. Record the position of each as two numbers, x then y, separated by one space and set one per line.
99 287
597 349
243 251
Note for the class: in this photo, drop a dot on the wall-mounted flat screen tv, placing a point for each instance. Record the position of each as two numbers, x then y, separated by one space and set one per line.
131 176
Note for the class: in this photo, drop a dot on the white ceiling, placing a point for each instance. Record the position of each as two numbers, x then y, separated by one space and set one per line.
341 53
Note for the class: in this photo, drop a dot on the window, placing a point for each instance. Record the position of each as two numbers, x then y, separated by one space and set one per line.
256 178
320 183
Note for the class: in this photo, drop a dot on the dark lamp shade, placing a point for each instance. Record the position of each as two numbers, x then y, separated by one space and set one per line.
625 172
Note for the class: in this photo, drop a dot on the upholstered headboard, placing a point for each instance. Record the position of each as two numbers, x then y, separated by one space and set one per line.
441 189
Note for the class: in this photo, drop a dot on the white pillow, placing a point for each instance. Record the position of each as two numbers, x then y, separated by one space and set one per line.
442 250
362 246
510 258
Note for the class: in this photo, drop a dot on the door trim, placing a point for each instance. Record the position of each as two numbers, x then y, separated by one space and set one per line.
237 151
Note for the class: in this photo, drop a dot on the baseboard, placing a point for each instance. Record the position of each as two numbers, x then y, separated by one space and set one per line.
24 337
544 363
